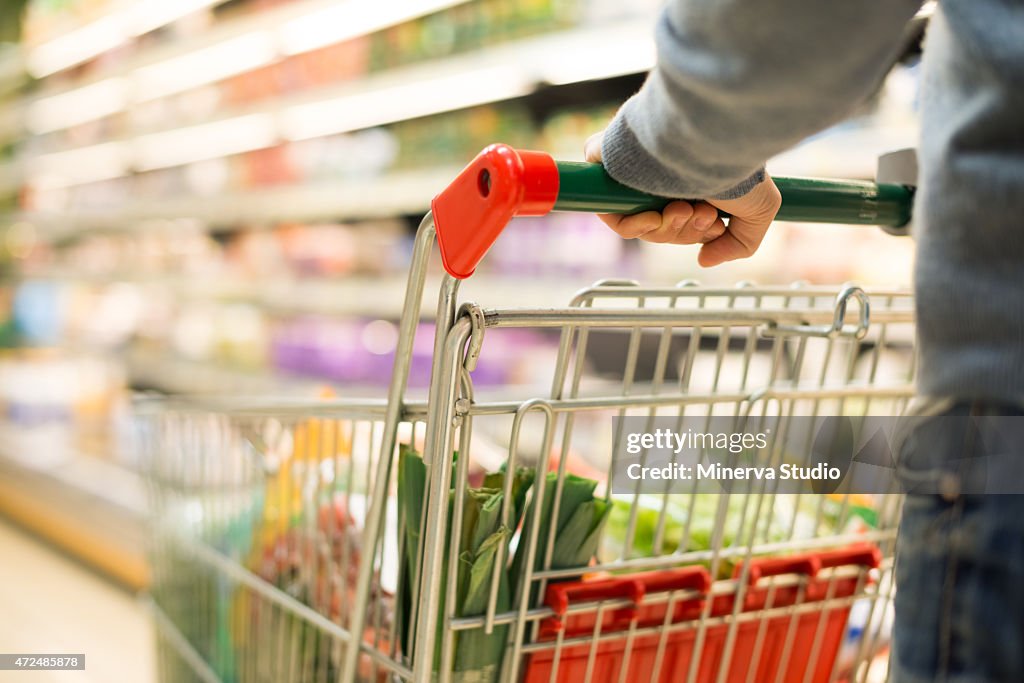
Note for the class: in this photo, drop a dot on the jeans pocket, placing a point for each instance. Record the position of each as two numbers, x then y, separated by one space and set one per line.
929 459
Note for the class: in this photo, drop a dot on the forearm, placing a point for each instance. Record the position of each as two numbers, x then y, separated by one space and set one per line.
739 81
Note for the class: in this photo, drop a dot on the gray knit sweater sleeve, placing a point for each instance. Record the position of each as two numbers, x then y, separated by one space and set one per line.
738 81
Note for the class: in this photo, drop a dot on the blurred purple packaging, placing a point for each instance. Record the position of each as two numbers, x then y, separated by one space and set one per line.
362 352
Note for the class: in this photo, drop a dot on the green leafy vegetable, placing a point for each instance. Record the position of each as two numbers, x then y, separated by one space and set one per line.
577 528
483 541
734 524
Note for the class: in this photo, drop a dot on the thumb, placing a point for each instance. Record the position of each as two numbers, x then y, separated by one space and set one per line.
752 215
592 147
740 240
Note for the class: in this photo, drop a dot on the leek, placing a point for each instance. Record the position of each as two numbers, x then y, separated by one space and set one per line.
483 541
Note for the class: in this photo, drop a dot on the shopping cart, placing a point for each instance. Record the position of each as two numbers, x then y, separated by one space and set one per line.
472 538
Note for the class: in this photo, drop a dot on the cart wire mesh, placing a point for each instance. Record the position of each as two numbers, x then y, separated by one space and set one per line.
500 552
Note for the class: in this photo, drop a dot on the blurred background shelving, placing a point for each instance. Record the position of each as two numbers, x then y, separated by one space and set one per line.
219 196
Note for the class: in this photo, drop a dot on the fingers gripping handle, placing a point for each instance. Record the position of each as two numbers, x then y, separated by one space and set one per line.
503 182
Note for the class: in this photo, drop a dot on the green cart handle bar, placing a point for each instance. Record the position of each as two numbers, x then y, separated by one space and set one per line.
503 182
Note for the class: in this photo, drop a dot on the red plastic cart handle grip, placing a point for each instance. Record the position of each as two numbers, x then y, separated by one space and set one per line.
634 588
473 210
561 595
777 566
862 555
694 578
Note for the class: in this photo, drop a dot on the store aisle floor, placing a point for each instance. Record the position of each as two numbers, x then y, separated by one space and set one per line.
51 604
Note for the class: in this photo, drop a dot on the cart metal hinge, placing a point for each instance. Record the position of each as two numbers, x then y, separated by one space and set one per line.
478 322
838 326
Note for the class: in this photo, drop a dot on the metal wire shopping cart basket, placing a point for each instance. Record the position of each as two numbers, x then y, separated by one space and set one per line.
465 538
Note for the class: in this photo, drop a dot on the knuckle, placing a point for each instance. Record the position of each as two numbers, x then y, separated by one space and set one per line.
704 210
680 210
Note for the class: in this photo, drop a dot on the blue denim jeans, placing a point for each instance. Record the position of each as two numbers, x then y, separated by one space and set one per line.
959 566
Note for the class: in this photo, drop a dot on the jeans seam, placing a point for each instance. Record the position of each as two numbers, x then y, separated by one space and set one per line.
945 649
948 592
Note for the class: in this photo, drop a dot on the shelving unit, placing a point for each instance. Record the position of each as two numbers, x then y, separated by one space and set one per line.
308 23
342 297
159 372
113 66
399 193
82 87
490 74
91 506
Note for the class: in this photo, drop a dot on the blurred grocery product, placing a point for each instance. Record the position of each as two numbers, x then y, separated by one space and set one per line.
40 387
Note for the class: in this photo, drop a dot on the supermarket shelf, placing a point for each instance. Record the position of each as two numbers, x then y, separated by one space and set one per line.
194 379
11 114
349 296
489 74
345 296
484 76
89 506
12 120
10 178
12 63
405 192
361 16
12 68
108 31
156 370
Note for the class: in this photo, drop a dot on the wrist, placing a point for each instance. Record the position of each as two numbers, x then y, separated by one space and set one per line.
743 187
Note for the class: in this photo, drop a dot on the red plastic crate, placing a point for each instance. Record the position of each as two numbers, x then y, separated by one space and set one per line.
748 661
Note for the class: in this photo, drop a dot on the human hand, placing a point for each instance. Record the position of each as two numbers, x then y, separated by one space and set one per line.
682 222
